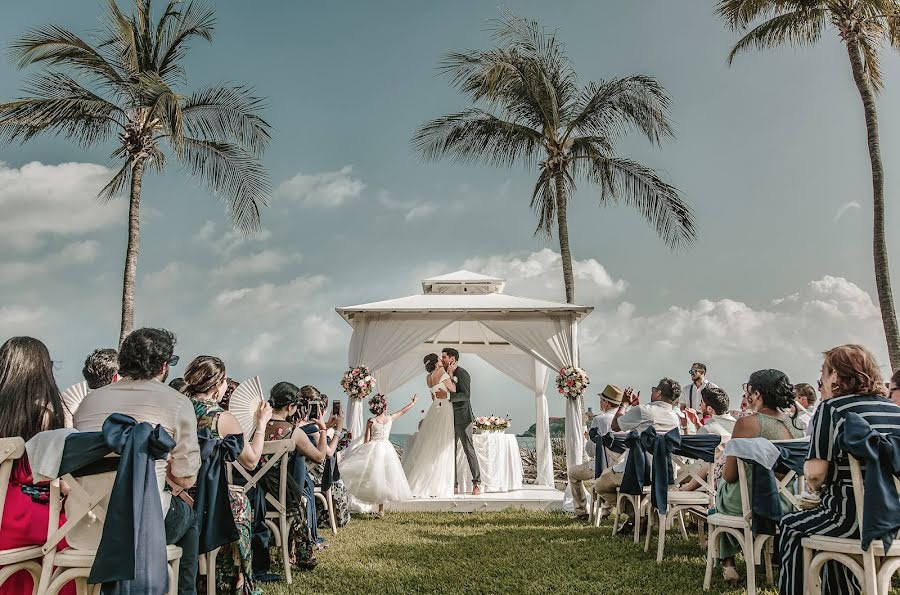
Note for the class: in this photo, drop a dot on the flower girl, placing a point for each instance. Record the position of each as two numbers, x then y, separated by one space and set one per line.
372 471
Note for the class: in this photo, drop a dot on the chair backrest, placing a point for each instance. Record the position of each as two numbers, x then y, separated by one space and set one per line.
784 484
11 449
691 470
276 451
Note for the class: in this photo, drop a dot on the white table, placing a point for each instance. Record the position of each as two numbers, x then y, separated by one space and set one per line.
499 460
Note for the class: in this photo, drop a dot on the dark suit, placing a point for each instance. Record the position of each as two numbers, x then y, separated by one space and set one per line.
461 401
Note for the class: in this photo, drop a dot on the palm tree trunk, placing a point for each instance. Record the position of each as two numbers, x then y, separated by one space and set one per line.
564 252
879 244
131 252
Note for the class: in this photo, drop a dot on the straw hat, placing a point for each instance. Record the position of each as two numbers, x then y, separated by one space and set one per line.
611 393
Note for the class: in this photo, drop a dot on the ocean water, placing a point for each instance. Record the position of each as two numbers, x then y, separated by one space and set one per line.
527 442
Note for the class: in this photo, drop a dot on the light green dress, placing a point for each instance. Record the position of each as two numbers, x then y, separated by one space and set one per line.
728 495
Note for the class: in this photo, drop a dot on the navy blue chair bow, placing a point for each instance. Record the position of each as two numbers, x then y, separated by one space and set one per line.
881 455
662 447
131 557
614 441
212 502
764 494
637 472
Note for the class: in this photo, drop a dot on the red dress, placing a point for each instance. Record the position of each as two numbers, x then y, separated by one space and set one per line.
24 523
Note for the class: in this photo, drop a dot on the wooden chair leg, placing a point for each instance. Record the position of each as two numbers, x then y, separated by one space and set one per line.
636 502
286 548
767 556
870 571
211 571
649 531
331 514
751 562
808 581
683 527
661 546
712 553
701 529
618 511
174 567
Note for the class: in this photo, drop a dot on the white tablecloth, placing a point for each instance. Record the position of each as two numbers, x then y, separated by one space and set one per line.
499 460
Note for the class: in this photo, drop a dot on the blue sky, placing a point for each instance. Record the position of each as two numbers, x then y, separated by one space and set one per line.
770 153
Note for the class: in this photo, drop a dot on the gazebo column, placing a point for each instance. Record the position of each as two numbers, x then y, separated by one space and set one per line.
574 412
543 452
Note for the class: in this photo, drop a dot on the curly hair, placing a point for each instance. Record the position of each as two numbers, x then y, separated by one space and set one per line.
377 404
716 398
774 388
144 352
283 395
203 374
100 367
430 362
670 389
857 371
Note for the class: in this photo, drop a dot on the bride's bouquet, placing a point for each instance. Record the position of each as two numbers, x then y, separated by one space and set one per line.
491 423
357 382
572 382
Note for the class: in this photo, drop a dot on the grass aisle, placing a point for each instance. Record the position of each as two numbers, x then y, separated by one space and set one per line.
498 552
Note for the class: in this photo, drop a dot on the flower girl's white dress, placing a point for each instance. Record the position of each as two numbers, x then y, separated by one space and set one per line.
372 471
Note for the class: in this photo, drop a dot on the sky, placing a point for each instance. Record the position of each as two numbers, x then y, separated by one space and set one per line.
770 153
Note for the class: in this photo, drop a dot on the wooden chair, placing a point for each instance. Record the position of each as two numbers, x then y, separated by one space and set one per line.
754 548
873 568
328 501
698 501
277 452
70 564
596 500
640 504
21 558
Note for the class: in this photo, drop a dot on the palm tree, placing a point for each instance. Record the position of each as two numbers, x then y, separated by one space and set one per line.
536 114
126 80
864 26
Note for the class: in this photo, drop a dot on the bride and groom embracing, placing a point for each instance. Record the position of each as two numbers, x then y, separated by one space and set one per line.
430 461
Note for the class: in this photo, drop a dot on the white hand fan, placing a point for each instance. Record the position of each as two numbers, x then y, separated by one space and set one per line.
244 402
72 398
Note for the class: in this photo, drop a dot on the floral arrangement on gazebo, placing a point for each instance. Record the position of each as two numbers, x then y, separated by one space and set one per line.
357 382
572 382
491 423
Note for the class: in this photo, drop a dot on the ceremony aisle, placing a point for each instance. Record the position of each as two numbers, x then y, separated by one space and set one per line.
498 552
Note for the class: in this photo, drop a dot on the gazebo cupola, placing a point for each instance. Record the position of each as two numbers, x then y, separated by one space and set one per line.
462 282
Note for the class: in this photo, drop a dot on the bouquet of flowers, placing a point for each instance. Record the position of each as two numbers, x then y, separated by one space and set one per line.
357 382
344 440
572 382
491 423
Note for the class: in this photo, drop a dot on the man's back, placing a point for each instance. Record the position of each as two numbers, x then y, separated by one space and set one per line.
148 401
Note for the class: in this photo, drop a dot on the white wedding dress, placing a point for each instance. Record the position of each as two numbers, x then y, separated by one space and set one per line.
372 472
430 461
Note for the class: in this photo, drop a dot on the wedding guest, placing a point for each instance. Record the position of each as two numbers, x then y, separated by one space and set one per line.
101 368
226 398
372 470
768 393
804 403
601 425
659 413
690 398
894 388
145 358
850 383
177 383
714 403
205 384
29 403
326 474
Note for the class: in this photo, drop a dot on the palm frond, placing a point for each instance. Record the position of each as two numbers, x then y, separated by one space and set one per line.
123 40
610 108
799 27
60 105
738 14
163 106
228 113
232 173
659 203
60 47
196 20
117 184
871 62
543 203
476 136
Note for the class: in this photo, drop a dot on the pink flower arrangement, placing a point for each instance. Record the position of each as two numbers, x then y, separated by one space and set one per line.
357 382
572 382
491 423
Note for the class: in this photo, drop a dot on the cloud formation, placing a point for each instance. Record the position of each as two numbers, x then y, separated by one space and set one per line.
326 190
846 207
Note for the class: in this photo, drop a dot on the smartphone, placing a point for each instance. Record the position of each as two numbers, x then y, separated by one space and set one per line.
335 407
314 411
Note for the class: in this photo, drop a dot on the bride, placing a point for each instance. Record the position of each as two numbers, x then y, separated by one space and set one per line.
430 462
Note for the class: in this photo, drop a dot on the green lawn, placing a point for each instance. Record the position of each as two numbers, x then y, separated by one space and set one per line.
498 552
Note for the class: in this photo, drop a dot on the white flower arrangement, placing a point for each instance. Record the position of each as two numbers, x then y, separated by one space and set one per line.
491 423
572 382
357 382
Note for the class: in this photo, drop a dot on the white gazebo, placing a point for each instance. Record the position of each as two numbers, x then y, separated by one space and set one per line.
526 339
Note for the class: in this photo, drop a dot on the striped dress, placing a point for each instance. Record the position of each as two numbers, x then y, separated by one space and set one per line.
836 516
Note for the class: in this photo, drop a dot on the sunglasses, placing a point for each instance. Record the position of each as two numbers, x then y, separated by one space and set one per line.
173 361
746 387
693 371
819 383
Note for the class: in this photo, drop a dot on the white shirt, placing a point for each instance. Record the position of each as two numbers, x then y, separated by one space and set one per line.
723 425
603 423
659 414
690 394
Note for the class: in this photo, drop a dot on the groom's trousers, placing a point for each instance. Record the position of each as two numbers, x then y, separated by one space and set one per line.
463 434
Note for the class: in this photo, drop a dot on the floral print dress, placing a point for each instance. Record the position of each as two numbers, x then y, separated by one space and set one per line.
227 573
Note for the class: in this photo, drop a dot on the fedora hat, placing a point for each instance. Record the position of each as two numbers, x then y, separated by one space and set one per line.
612 393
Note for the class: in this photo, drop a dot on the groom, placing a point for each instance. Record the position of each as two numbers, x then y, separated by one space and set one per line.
462 413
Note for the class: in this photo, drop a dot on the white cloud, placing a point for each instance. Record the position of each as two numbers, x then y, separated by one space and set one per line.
327 189
269 297
226 242
38 200
165 278
846 207
15 319
411 209
267 261
75 253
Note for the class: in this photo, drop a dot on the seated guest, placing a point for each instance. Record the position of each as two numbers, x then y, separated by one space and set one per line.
29 403
177 383
339 496
205 383
768 393
101 368
659 413
851 383
601 425
144 361
894 388
714 403
804 403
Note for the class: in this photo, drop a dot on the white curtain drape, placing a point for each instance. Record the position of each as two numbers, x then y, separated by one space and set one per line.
553 342
379 340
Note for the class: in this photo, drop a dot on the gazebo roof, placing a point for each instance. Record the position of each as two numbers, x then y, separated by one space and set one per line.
463 301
